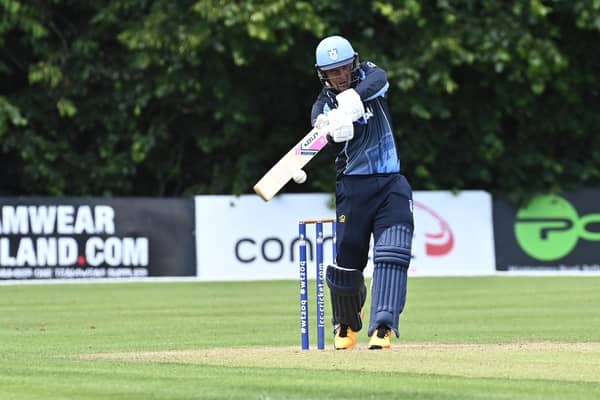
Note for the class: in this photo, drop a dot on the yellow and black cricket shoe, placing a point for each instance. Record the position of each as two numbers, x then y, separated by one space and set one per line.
380 339
345 338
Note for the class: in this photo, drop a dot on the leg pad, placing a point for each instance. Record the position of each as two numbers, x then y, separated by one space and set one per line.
348 294
391 257
388 296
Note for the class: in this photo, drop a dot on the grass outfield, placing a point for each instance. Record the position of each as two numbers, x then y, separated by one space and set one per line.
462 338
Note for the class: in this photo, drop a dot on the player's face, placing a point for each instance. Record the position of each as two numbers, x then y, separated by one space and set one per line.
340 78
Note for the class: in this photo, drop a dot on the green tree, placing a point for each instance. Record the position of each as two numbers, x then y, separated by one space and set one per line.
162 98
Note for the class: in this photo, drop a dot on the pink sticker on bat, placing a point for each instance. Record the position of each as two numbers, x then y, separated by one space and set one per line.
311 145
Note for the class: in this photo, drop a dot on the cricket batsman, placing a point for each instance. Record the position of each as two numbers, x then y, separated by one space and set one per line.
372 197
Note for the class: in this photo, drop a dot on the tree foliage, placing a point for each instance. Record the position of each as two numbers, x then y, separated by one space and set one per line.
169 98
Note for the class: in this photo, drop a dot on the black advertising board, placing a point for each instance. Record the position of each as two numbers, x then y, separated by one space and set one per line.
553 232
81 237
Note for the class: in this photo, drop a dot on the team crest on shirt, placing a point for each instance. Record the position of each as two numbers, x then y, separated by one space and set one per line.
333 54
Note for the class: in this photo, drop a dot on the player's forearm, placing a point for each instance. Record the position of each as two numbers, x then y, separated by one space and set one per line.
374 85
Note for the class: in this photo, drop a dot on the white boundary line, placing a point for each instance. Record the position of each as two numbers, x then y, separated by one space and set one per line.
14 282
10 282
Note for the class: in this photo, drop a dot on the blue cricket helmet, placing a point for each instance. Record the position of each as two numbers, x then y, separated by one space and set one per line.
333 52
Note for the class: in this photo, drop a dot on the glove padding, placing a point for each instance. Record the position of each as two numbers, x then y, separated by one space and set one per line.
350 103
340 125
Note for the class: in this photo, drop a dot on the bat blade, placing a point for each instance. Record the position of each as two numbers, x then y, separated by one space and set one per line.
298 156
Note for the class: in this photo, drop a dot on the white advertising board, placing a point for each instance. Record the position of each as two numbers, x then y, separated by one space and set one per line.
245 238
453 234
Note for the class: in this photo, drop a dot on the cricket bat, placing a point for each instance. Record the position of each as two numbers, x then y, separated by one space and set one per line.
281 173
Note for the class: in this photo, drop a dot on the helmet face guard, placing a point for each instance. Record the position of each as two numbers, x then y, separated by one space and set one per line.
354 74
335 52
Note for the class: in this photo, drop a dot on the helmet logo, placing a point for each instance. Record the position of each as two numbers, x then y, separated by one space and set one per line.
333 54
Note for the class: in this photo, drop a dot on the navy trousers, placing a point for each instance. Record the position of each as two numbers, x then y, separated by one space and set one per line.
367 205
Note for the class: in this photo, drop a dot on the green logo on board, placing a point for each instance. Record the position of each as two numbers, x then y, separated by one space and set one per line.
548 228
